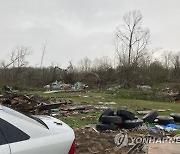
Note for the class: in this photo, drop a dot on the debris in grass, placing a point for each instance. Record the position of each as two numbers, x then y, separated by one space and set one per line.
143 112
29 103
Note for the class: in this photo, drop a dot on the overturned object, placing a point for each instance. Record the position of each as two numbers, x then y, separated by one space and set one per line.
105 127
164 120
129 124
111 119
108 112
126 115
151 116
176 116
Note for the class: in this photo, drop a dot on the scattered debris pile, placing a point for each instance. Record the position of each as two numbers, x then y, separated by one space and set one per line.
106 142
29 103
34 104
61 86
177 97
124 119
125 122
173 94
79 108
144 87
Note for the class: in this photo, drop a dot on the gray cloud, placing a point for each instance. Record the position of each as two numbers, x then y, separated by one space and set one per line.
78 28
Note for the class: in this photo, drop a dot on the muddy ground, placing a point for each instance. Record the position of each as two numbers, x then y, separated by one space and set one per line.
89 141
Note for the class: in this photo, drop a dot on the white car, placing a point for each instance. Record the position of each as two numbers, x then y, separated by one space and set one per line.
20 134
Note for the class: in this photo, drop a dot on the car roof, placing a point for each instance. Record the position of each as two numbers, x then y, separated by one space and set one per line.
17 114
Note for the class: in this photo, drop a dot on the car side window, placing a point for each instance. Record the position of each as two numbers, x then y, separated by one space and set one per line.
11 133
2 139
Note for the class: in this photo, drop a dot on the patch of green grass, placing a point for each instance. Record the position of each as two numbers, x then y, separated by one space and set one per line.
131 104
178 132
95 98
59 94
80 97
150 95
81 120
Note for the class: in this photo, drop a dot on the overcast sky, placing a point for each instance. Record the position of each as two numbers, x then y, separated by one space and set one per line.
81 28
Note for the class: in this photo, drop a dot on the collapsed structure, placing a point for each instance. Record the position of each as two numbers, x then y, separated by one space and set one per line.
59 85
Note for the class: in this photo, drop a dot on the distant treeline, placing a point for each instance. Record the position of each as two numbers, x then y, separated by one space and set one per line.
97 74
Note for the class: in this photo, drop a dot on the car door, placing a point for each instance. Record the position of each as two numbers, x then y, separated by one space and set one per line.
44 145
4 147
10 134
27 136
20 143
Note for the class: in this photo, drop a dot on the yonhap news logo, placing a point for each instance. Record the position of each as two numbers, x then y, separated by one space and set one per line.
122 140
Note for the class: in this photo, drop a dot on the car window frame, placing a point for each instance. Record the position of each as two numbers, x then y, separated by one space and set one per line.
18 135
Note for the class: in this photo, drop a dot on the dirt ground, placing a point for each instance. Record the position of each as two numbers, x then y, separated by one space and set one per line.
166 148
89 141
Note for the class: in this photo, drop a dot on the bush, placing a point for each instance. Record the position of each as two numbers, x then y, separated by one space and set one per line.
142 95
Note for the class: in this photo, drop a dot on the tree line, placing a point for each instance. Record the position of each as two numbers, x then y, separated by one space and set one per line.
134 63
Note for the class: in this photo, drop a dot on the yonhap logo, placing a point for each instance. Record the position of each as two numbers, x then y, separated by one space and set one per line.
122 140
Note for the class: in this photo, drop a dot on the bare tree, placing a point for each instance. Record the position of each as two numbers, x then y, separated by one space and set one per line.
167 59
131 39
70 68
85 65
3 63
13 68
43 52
176 63
103 63
42 58
130 43
18 57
